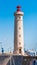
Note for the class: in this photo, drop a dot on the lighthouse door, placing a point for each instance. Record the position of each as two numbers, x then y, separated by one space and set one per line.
19 50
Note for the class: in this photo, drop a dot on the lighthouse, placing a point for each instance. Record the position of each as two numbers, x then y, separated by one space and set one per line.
18 32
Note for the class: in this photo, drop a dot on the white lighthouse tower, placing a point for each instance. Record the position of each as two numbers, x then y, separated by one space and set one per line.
18 32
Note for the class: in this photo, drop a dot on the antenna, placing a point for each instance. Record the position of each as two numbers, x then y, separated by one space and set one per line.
11 50
1 44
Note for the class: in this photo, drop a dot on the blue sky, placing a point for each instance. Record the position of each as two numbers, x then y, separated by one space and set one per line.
7 9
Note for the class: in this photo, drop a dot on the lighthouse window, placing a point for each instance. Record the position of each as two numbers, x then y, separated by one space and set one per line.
19 35
19 17
19 27
19 42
